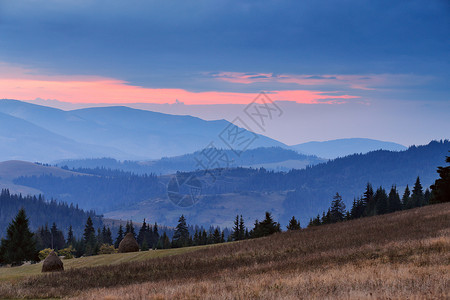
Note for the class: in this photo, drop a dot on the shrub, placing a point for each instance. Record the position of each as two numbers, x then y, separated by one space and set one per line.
67 252
44 253
107 249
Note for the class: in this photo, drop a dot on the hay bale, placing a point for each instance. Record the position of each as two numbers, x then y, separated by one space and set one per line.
128 244
52 263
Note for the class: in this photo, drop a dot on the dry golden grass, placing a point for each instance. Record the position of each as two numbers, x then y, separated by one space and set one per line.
397 256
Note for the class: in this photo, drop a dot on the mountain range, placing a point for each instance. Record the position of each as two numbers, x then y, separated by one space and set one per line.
33 132
247 191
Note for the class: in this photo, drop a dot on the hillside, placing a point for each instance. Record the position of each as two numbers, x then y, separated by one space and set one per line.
343 147
119 132
271 158
303 193
10 170
401 255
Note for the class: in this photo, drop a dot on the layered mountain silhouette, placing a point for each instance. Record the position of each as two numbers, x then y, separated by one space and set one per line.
39 133
342 147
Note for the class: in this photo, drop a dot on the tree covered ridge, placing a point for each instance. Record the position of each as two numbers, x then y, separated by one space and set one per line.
41 211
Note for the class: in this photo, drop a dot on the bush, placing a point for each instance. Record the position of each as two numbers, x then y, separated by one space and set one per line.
44 253
67 252
107 249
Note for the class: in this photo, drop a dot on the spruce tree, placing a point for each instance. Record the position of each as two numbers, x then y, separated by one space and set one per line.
217 236
406 198
368 201
19 244
293 224
235 234
440 190
417 194
142 233
119 236
381 201
394 202
181 235
70 238
337 210
89 237
241 228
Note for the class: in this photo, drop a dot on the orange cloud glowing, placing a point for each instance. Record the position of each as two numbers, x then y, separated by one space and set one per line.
21 84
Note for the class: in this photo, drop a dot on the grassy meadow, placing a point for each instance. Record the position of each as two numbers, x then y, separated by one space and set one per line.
396 256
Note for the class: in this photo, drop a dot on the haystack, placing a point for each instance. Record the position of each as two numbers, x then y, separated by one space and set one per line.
52 263
128 244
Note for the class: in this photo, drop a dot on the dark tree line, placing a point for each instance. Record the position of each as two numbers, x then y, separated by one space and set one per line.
40 211
373 203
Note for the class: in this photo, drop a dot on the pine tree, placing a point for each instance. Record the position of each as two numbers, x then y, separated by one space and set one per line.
89 237
57 237
107 237
19 244
241 228
181 235
417 194
155 235
440 190
142 233
70 238
406 198
394 202
381 201
267 227
216 236
235 234
368 201
337 210
293 224
130 228
119 236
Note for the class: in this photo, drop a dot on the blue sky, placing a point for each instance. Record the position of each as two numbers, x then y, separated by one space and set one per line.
386 54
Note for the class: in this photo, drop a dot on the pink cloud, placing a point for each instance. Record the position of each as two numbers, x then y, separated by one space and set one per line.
23 84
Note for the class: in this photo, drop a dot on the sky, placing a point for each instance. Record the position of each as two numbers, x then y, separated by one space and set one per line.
338 69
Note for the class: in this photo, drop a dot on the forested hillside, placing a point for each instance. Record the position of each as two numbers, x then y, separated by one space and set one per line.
274 157
41 212
307 191
106 191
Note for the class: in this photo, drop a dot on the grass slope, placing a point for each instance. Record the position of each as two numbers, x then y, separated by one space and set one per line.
18 273
400 255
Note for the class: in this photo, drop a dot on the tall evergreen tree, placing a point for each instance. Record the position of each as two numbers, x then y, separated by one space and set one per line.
394 202
19 244
369 203
293 224
119 236
235 234
142 234
70 238
406 198
417 194
217 236
58 241
241 228
181 235
337 210
381 201
441 187
266 227
89 237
